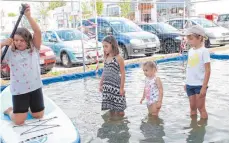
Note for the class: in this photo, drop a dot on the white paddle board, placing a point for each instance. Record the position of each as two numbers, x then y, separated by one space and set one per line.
54 127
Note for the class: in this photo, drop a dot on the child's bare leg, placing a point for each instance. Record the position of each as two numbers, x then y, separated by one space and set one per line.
193 106
18 118
122 113
201 107
112 113
153 110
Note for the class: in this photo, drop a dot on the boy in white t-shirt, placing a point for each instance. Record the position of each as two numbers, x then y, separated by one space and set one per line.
198 70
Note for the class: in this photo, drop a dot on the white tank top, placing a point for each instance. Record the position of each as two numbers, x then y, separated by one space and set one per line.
24 70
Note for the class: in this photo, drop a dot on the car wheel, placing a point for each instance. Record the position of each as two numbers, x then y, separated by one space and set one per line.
5 75
123 52
207 43
169 46
65 60
148 55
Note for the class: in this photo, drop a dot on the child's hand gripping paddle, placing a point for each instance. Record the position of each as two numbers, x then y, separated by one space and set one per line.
14 30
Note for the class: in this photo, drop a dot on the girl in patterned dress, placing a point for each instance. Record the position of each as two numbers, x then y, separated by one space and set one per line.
25 81
153 91
113 78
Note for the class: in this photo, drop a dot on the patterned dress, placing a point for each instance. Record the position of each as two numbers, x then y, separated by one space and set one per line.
151 91
112 100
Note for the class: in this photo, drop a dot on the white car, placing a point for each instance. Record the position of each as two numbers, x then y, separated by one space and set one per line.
217 35
223 20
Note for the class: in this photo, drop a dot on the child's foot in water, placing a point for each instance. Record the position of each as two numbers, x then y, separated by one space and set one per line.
202 122
7 112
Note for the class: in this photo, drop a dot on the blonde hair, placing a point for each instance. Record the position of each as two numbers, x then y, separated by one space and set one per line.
150 64
114 44
27 36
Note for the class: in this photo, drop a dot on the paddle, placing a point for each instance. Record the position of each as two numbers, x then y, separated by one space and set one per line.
14 30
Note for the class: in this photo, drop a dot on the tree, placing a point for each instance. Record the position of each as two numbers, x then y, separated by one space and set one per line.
11 14
55 4
125 7
99 6
86 9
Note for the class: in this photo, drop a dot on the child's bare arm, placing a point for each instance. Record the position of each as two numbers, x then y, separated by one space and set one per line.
101 81
6 42
143 97
122 71
207 74
35 27
160 88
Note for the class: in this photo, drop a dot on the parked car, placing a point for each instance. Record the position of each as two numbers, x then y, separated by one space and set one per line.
67 46
47 62
88 30
223 20
216 34
131 38
170 37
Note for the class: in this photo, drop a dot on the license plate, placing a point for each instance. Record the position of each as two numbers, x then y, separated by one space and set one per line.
151 45
42 61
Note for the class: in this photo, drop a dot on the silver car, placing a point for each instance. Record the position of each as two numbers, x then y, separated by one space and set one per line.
217 35
223 20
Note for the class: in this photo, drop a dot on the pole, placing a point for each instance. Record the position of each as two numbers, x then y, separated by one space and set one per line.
81 29
96 37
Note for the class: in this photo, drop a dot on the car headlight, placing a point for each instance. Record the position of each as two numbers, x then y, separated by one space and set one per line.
136 42
157 39
178 38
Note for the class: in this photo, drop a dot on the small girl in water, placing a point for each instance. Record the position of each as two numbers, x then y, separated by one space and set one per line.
153 91
113 78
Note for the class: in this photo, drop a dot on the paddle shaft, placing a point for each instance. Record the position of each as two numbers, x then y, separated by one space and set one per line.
14 30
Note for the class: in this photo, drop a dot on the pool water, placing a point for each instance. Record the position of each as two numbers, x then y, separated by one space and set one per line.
81 101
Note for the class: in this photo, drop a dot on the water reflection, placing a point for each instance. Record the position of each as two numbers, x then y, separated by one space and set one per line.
153 130
114 129
197 132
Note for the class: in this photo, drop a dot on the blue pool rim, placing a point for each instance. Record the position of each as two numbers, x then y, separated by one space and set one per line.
76 76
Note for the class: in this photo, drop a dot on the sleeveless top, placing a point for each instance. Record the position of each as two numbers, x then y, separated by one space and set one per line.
24 70
111 87
151 90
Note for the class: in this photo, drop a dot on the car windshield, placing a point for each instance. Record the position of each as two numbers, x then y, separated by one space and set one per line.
70 35
164 28
124 26
224 17
205 23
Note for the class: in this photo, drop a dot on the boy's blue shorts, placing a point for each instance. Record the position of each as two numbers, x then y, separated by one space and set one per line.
193 90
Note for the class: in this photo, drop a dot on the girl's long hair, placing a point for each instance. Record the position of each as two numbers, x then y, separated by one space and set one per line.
27 36
111 40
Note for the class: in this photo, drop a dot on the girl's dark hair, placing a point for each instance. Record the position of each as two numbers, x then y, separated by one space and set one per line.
111 39
26 35
150 64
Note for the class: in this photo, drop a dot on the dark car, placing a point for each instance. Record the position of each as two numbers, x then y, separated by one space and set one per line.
170 38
